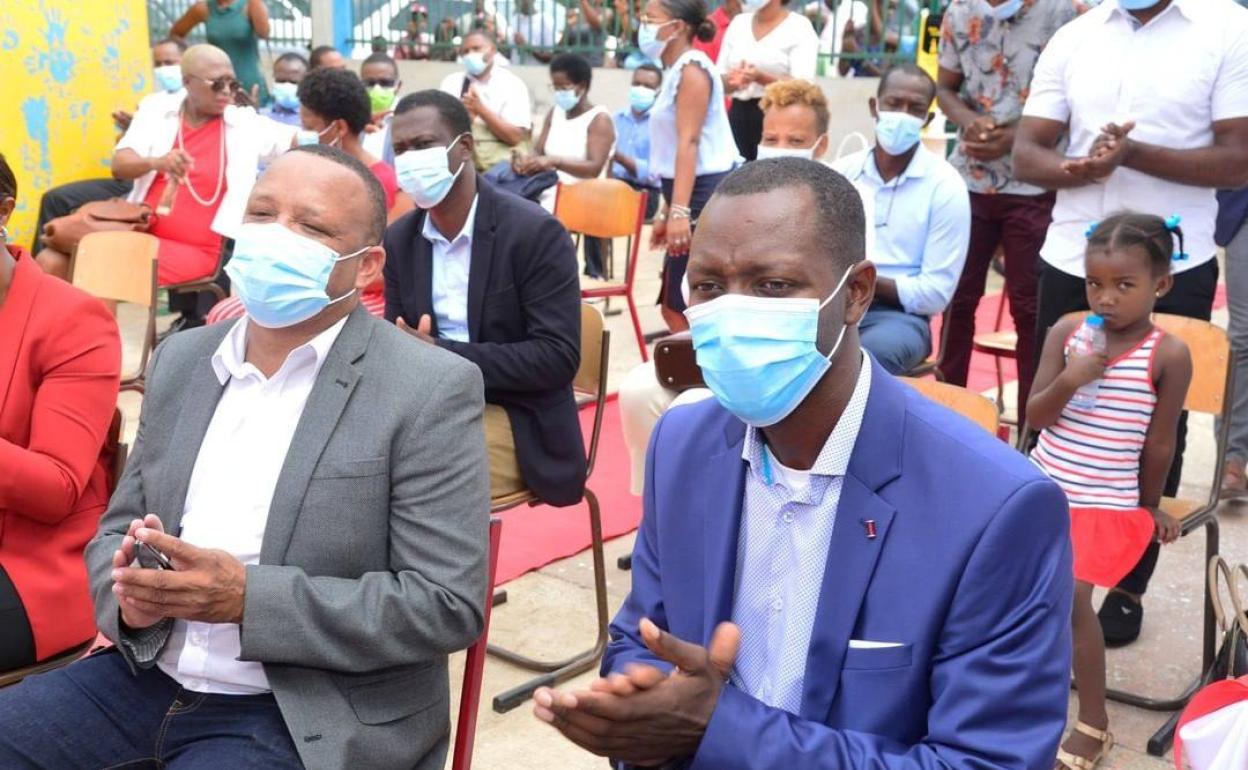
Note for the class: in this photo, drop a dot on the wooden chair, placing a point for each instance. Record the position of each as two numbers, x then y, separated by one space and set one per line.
1000 344
591 380
932 364
607 208
1213 381
474 667
120 266
969 404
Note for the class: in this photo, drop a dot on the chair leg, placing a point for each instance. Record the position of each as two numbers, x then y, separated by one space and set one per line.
641 338
557 672
1160 742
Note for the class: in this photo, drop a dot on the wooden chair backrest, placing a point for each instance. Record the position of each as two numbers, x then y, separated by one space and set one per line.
1210 348
969 404
1211 360
591 372
118 266
601 208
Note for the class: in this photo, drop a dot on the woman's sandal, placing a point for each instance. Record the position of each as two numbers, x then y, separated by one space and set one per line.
1076 762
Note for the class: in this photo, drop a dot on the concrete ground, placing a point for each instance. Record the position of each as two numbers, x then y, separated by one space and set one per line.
550 612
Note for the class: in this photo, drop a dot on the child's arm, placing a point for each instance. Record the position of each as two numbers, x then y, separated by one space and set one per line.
1174 374
1056 379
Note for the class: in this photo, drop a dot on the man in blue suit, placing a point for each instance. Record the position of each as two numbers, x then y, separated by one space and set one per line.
832 571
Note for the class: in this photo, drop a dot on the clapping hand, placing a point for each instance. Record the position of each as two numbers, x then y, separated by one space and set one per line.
645 716
472 102
1109 151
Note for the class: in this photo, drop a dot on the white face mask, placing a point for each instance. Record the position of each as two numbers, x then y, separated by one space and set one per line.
765 152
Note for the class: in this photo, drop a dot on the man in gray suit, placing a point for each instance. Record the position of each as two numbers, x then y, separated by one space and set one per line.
327 481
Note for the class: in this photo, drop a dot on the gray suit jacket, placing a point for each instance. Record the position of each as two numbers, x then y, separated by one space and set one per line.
373 564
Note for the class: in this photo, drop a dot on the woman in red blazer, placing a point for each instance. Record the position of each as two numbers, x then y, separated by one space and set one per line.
60 361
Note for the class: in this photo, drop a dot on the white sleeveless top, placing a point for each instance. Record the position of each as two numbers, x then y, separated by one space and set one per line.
569 138
717 150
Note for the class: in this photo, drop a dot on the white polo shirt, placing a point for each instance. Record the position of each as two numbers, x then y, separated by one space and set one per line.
1175 77
503 92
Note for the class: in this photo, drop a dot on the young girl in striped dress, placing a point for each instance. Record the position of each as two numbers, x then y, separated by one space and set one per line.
1111 455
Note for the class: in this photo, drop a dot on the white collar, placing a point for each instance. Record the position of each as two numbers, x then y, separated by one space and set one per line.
230 359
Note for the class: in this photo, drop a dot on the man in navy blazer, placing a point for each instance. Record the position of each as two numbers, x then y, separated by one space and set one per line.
832 571
501 290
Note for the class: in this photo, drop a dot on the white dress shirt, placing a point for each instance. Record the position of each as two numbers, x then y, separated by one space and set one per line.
502 92
250 140
231 488
451 262
922 221
1174 77
790 50
786 530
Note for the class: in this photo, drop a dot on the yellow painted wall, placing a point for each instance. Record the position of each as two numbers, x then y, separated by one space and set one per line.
65 66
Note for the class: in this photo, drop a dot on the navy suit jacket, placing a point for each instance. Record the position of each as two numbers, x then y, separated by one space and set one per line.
524 326
970 570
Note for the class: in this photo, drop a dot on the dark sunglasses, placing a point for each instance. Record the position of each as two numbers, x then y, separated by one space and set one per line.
223 83
383 82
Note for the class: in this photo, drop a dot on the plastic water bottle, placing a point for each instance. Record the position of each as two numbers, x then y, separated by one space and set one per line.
1088 340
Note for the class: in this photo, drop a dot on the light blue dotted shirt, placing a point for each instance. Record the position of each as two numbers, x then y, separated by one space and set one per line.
786 529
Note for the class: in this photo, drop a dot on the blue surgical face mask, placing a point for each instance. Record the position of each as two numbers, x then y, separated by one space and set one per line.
641 98
425 175
758 354
286 95
474 62
168 77
1005 10
1137 5
566 99
897 132
648 39
280 275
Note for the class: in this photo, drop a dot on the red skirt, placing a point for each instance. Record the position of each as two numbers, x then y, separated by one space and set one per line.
1109 542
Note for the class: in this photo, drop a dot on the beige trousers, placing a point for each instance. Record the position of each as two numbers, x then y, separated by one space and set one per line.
501 447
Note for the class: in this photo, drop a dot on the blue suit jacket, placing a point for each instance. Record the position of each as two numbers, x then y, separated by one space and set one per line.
970 570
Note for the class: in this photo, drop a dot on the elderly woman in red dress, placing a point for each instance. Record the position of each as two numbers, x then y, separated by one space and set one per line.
60 359
206 146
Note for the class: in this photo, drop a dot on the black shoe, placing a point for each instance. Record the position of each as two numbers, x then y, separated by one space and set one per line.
1121 618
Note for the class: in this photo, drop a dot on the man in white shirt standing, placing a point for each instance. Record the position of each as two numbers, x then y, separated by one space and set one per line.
497 100
922 221
1153 95
299 539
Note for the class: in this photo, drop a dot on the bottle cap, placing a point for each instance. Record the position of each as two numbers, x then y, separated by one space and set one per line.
1095 320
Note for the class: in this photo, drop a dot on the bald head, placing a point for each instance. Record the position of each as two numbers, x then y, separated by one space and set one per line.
203 57
323 194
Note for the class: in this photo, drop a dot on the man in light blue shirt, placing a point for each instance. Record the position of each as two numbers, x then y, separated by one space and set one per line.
288 72
632 136
922 221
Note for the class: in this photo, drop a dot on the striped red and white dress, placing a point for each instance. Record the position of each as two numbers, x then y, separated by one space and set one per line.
1093 453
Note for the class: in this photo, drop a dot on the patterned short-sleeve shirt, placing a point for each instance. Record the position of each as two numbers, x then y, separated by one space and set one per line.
996 59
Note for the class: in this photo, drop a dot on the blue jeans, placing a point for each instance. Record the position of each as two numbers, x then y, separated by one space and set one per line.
898 340
96 715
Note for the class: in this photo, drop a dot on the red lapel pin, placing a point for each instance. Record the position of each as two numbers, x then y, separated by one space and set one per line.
869 525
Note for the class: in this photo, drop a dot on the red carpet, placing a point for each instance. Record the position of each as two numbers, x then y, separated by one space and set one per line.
535 537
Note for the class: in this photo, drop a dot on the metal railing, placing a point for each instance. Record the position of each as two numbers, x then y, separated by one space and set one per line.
290 22
532 31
